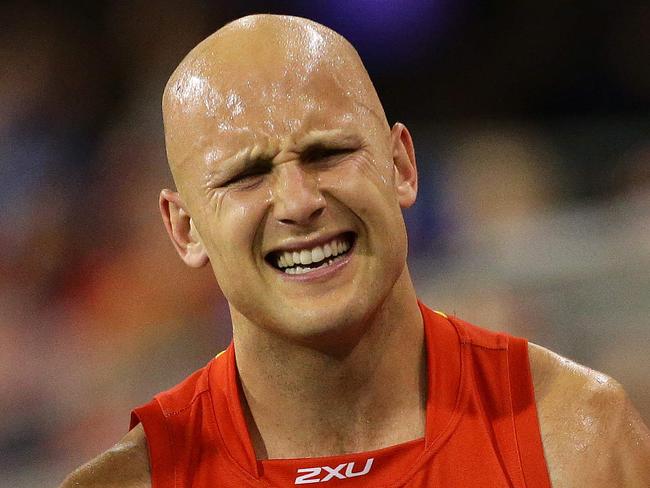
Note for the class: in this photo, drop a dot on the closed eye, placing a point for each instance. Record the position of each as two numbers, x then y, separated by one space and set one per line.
322 153
248 178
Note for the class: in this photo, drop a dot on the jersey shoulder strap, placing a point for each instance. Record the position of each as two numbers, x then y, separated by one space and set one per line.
169 427
503 385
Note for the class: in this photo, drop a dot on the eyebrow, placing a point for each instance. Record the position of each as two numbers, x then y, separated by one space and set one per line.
239 162
252 158
334 139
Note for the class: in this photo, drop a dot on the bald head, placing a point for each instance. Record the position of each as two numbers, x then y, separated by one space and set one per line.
276 137
262 46
262 74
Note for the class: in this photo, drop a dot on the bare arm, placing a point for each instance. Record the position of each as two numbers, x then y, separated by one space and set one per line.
592 434
125 465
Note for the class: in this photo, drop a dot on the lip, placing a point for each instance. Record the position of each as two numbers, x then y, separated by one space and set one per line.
320 274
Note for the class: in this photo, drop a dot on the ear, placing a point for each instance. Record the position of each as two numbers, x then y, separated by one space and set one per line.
406 173
181 229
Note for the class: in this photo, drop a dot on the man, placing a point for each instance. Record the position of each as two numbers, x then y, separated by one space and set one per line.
290 183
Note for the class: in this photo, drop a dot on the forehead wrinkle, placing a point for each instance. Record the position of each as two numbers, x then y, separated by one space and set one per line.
207 146
266 145
236 159
245 155
270 150
219 168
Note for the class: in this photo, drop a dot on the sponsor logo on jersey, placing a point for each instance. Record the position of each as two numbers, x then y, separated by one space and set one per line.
323 474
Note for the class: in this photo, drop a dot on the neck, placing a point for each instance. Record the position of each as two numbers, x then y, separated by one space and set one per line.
303 402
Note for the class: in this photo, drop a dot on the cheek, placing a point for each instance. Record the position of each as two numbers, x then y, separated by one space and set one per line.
376 171
236 222
366 182
366 190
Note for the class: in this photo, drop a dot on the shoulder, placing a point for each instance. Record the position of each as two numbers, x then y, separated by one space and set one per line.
592 434
126 464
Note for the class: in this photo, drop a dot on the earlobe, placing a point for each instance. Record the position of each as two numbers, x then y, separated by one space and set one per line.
181 230
404 165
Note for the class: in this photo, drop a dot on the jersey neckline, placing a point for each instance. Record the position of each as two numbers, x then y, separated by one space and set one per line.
446 398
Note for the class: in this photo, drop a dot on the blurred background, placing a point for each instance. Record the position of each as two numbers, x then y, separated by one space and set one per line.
532 128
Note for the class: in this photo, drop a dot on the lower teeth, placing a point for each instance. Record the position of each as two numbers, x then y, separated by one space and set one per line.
299 270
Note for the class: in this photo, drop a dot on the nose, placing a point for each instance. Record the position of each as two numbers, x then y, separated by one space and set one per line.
296 195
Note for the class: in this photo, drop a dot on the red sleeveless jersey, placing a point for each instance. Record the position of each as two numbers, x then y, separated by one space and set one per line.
481 426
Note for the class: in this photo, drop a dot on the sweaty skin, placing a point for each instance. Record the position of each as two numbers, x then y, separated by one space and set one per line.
278 142
275 89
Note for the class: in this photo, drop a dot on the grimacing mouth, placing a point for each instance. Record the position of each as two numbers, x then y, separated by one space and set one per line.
303 260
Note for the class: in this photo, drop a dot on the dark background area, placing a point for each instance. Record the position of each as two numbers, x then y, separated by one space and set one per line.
531 124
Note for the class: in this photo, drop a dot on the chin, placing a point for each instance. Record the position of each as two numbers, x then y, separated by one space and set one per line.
324 329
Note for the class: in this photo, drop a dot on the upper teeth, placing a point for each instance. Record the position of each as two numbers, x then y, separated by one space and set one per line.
314 255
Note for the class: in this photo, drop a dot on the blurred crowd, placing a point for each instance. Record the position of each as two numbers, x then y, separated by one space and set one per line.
532 132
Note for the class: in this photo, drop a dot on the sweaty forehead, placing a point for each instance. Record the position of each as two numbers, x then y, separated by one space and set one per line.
265 76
